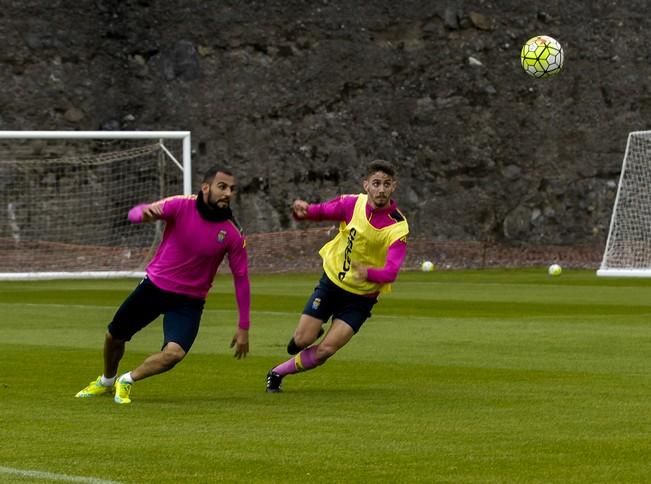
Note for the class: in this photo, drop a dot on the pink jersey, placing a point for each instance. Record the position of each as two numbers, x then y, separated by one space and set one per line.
342 209
192 250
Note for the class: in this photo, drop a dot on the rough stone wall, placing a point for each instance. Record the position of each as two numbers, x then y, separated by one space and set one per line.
298 95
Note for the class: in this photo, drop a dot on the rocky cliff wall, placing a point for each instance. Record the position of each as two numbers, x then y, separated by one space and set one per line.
298 95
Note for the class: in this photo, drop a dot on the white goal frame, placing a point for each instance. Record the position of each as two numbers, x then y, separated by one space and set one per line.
610 266
184 164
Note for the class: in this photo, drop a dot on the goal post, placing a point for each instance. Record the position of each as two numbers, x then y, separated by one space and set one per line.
628 246
65 195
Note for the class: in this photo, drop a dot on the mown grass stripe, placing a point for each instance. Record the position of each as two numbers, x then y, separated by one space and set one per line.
51 476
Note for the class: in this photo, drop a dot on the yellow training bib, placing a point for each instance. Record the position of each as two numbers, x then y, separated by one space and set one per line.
358 241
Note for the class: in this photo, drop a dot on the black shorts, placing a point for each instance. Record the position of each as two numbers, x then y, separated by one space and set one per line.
329 300
181 314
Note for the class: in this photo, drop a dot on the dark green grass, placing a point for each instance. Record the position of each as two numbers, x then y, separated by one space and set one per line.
472 376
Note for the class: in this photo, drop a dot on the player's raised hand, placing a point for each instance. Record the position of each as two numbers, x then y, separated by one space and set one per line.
299 207
241 343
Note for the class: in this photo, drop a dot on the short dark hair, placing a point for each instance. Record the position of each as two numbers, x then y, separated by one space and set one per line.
209 175
379 165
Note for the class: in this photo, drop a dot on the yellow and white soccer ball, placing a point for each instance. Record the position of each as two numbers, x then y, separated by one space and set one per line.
542 56
554 270
427 266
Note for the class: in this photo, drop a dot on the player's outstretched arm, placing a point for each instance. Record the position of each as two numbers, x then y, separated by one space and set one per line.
146 212
339 208
239 263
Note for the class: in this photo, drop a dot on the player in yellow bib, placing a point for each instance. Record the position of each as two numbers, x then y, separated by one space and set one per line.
359 264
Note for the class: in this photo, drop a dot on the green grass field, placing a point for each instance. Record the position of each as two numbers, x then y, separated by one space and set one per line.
459 377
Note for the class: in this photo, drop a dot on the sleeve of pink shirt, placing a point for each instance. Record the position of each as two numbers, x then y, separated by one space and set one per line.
340 208
136 213
238 262
395 257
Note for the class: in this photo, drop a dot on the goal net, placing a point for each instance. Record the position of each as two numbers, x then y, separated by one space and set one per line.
65 195
628 248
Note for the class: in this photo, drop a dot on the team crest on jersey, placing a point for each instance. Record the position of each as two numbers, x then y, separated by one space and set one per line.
221 236
316 303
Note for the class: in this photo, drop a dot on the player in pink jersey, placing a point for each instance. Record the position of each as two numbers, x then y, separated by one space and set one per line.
200 231
359 264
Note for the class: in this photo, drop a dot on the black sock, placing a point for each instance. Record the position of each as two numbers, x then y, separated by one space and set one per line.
293 348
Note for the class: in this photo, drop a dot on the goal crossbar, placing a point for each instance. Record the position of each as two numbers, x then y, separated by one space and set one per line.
185 165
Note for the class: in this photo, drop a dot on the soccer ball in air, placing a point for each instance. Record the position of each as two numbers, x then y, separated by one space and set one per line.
427 266
554 270
541 56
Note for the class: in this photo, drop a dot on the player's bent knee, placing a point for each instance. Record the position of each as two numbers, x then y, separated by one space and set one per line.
112 340
303 338
173 354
